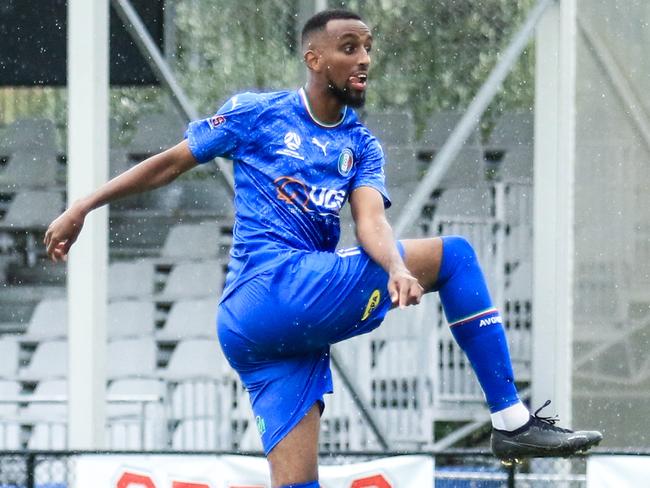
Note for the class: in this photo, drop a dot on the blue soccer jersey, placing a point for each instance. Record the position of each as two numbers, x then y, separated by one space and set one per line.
292 175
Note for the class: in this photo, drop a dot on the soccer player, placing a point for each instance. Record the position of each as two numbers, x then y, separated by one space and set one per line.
298 157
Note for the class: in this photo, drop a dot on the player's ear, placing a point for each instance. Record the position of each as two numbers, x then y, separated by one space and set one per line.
312 60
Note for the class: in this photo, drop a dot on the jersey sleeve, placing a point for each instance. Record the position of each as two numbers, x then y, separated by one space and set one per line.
224 133
370 170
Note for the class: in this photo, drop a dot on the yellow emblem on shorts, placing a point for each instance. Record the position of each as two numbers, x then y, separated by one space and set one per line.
373 301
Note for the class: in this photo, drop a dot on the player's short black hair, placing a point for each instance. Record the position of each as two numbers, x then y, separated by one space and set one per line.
319 21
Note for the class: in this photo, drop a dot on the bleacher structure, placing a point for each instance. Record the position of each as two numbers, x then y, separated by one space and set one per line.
169 385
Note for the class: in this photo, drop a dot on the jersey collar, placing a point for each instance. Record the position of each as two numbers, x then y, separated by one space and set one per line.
305 102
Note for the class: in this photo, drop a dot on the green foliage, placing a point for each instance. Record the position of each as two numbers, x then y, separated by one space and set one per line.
433 56
232 45
428 56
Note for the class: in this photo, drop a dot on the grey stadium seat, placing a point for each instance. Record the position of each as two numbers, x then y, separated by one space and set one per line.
465 202
192 241
32 210
49 361
190 319
466 171
9 423
440 126
131 279
9 352
48 420
193 280
131 318
197 358
131 358
391 128
156 132
49 321
29 134
125 420
29 168
513 129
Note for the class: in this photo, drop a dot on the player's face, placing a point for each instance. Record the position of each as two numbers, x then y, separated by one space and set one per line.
346 57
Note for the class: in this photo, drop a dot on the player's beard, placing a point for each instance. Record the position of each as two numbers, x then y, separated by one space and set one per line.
347 96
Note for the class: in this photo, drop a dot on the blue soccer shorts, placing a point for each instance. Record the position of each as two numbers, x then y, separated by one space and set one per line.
276 330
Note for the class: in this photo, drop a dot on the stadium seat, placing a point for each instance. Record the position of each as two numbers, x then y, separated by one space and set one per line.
48 322
10 354
131 318
196 435
131 358
517 165
9 423
49 361
32 210
48 420
30 134
438 129
402 166
513 129
29 169
204 395
192 241
464 203
391 128
156 132
197 358
193 280
130 279
189 319
126 421
466 171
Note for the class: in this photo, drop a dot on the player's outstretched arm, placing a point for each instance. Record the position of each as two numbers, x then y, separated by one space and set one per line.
151 173
375 235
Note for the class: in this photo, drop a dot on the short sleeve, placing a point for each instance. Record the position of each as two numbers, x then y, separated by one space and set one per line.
370 169
223 133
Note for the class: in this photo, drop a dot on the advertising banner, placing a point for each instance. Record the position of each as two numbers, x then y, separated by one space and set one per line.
618 471
189 471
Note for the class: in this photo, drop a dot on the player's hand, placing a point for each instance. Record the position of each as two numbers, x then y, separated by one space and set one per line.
404 288
63 232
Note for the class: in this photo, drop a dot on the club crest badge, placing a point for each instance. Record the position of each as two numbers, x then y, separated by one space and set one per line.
215 121
346 160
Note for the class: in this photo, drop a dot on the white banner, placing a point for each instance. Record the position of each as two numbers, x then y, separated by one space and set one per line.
178 471
618 471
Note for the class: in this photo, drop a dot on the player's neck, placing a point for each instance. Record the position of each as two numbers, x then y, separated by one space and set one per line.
322 104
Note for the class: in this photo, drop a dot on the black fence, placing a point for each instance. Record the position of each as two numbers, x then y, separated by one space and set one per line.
453 468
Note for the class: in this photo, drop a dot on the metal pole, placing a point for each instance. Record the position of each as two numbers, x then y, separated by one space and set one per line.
152 55
30 467
361 403
88 262
469 121
512 469
553 217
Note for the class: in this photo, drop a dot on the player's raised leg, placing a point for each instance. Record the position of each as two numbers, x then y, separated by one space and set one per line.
449 265
294 460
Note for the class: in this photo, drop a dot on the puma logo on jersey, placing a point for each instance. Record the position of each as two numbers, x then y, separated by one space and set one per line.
490 321
322 146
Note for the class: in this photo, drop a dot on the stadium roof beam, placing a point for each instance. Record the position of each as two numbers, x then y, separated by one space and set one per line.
163 72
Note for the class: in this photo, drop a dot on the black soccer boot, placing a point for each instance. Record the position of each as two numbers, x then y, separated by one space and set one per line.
541 438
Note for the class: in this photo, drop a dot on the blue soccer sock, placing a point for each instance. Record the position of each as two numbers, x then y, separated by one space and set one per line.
475 323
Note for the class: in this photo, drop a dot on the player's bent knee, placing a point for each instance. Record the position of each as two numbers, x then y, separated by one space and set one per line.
459 248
